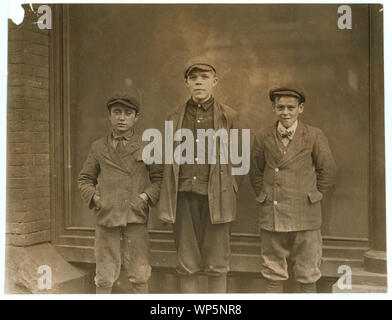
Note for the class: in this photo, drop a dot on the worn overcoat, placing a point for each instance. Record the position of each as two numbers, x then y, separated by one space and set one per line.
222 185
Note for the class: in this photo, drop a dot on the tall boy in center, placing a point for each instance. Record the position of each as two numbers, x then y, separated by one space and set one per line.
200 199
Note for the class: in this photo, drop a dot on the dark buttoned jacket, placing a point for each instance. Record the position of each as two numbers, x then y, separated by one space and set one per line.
222 185
118 180
194 177
289 185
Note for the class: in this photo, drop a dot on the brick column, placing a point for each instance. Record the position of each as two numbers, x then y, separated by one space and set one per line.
28 202
28 167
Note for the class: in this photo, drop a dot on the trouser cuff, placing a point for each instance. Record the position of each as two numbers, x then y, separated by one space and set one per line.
273 286
101 290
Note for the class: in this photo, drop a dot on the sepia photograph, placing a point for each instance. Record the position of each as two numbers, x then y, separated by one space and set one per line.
202 148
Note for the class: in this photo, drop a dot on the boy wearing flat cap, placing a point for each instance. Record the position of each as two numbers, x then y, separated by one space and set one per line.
117 184
291 169
199 199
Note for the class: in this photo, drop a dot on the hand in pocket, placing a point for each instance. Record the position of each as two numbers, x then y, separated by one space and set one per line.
139 205
97 202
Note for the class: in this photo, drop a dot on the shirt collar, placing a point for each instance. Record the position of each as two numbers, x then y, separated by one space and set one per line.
293 127
126 136
206 105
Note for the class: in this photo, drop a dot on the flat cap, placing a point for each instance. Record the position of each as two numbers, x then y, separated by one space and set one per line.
199 66
287 91
125 99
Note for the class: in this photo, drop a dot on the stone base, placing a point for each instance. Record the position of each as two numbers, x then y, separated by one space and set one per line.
375 261
27 271
362 281
360 289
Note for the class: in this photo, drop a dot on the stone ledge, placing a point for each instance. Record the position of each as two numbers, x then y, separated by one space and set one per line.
360 289
22 240
375 261
27 216
22 276
29 227
361 281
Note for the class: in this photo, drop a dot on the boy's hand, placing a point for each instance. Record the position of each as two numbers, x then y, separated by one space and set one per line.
144 196
97 201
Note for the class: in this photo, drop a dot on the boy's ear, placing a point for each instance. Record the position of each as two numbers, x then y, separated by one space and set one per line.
301 107
186 82
215 81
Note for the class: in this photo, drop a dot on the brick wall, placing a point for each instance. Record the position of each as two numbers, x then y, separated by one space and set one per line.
28 167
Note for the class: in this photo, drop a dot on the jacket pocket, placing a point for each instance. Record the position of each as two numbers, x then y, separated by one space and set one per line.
261 197
105 208
315 196
138 206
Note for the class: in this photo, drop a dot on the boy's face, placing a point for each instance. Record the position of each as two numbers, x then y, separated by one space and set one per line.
287 109
122 117
201 84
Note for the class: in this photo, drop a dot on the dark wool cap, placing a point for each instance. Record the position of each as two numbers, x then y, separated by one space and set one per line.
287 91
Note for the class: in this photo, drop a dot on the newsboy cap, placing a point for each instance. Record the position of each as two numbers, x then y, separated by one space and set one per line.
125 99
287 91
199 66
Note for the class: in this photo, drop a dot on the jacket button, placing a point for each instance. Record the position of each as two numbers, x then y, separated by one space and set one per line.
276 169
275 202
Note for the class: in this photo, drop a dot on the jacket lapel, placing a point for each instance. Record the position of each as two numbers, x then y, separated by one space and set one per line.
272 144
220 119
120 161
132 146
219 114
296 145
178 119
111 155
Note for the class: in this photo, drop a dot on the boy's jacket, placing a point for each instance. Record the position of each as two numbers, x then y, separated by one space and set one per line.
119 180
222 185
289 187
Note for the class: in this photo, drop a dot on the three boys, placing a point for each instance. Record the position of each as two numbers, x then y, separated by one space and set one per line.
291 168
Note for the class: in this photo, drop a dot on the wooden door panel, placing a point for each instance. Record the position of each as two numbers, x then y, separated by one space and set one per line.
253 47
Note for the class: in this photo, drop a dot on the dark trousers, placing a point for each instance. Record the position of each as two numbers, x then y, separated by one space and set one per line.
201 245
129 245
